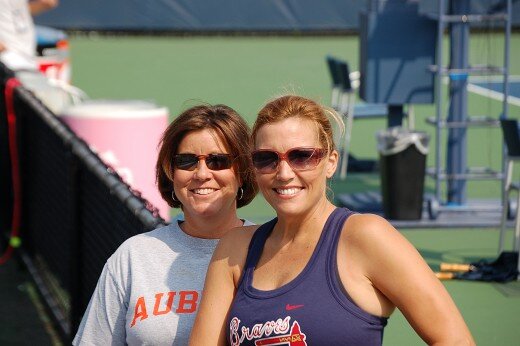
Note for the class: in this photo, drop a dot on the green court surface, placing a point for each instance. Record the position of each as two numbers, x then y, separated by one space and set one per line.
244 72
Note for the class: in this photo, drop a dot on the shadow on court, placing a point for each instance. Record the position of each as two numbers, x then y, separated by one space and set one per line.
22 319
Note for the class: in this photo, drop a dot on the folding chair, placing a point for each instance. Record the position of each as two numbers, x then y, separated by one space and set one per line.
346 108
342 102
332 64
511 134
344 84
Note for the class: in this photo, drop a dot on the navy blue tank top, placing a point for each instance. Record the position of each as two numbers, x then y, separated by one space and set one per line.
312 309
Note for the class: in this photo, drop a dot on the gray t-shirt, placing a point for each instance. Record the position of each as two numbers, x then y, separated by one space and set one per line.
149 290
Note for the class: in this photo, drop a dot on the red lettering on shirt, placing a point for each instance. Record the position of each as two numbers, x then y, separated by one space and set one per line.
169 303
139 311
187 305
268 333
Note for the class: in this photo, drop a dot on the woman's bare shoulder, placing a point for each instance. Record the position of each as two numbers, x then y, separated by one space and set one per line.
373 240
236 242
372 235
239 235
363 226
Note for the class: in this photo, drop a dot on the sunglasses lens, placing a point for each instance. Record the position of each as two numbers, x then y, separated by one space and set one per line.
186 162
217 162
301 159
265 161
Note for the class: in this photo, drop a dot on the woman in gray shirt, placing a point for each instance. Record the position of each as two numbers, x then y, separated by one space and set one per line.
150 288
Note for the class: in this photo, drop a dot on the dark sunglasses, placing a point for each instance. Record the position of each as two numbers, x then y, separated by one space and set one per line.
299 159
215 162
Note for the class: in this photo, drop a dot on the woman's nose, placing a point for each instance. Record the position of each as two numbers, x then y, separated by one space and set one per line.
284 171
202 172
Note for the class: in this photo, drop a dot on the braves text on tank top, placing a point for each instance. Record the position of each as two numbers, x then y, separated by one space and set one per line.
312 309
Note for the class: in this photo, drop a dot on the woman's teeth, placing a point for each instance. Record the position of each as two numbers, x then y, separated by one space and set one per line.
290 191
203 191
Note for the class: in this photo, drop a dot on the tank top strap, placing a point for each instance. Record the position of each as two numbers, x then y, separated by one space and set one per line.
256 246
334 227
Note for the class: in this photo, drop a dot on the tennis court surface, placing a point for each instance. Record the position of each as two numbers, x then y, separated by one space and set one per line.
494 88
173 71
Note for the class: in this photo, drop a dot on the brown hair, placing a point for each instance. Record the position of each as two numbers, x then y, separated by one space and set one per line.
297 106
229 127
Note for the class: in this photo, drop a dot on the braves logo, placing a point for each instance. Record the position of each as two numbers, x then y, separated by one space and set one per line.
261 333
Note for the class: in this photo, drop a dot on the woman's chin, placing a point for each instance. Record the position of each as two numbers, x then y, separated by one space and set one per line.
206 210
287 209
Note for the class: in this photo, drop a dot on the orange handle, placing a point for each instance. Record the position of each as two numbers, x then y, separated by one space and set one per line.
445 276
455 267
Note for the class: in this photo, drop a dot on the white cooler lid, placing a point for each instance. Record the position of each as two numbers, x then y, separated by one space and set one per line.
115 109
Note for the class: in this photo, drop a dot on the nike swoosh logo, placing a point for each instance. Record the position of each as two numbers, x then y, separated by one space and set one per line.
290 307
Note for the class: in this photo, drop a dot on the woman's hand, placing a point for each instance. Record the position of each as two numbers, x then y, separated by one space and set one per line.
38 6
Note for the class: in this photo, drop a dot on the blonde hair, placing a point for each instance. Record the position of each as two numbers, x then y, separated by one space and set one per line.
288 106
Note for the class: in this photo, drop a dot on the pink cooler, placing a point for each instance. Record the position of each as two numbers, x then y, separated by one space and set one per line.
125 134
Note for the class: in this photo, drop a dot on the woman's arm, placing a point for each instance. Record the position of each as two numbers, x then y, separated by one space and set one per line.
39 6
397 270
104 320
219 289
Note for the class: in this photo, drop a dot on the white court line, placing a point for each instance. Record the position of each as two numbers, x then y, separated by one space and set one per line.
495 95
478 79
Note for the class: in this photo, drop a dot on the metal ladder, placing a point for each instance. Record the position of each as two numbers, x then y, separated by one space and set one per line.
457 173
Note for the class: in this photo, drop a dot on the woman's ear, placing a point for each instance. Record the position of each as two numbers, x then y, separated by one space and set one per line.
332 163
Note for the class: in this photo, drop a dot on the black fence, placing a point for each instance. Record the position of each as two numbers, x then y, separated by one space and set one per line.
75 210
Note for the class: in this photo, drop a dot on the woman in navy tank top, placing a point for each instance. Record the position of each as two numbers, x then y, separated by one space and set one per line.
316 274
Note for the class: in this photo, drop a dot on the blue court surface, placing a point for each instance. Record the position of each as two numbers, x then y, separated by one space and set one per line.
493 87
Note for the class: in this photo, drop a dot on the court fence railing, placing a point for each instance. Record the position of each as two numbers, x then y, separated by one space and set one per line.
75 210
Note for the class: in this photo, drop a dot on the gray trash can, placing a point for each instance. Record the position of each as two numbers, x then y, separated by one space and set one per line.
402 158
